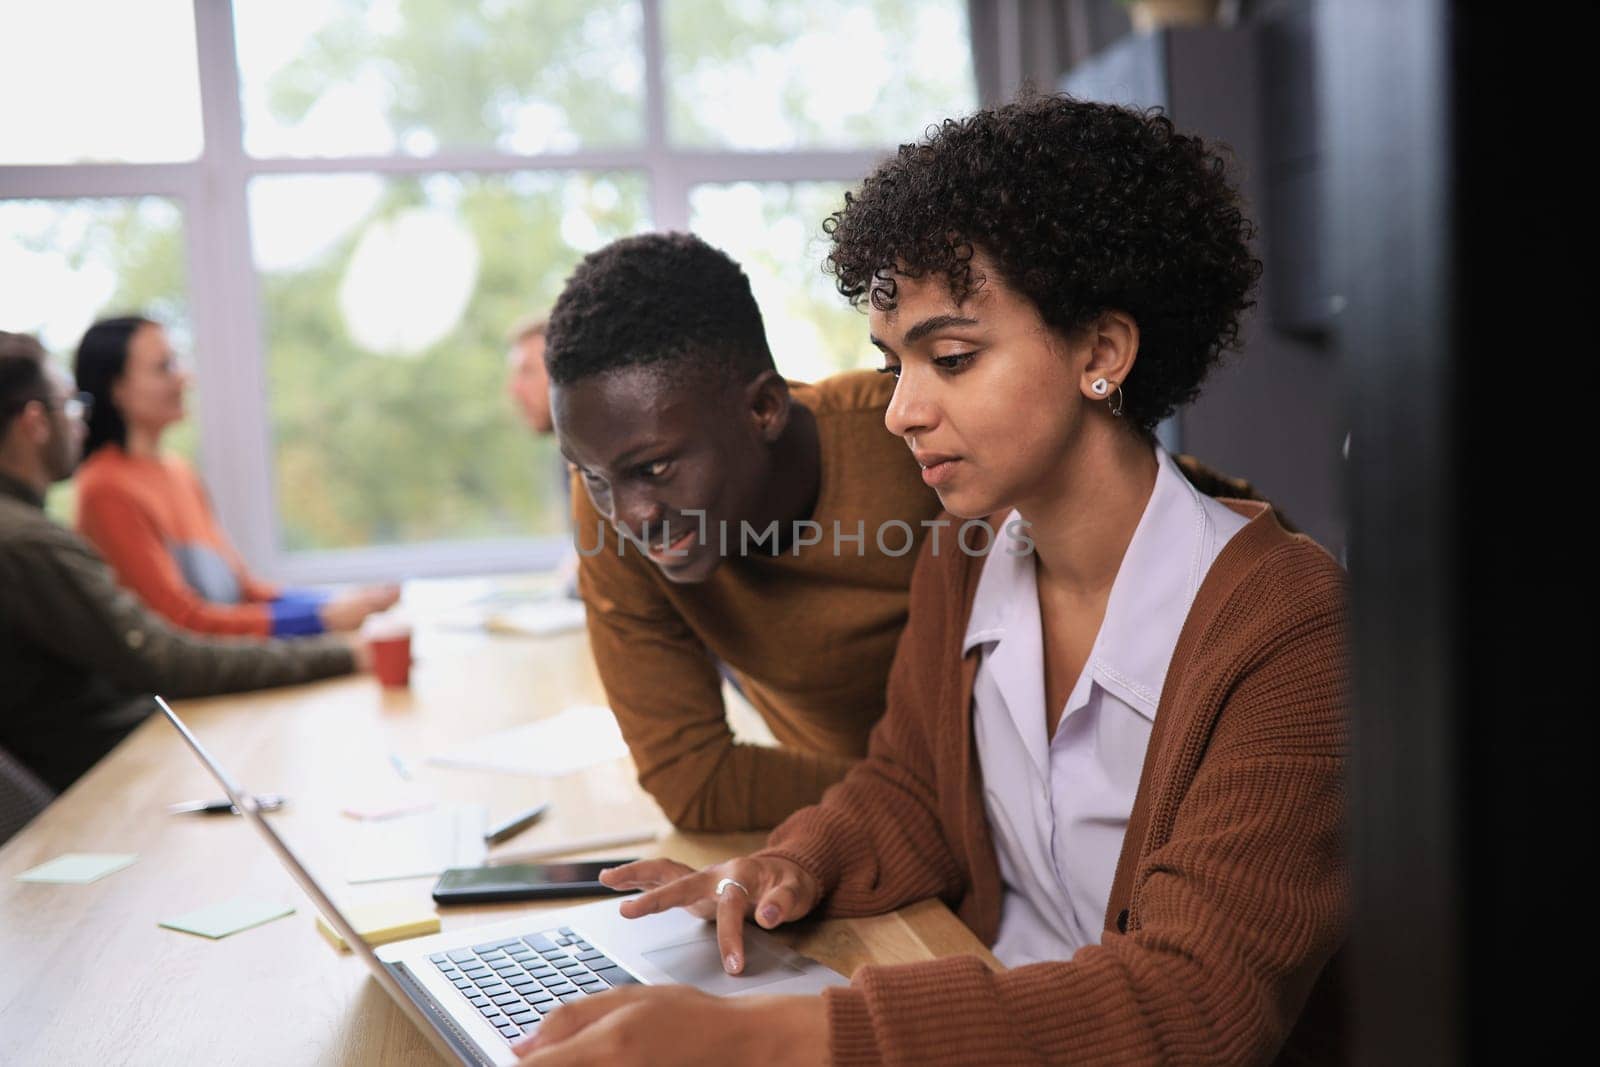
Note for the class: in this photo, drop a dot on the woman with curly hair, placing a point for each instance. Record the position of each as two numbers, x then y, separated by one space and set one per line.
1114 742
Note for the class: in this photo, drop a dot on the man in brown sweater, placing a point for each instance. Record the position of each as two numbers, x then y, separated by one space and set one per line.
79 654
768 528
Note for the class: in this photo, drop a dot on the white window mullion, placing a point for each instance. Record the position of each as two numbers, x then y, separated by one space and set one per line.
669 193
456 161
696 168
76 181
229 365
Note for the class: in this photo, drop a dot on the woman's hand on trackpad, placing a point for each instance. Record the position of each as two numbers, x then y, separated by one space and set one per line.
768 889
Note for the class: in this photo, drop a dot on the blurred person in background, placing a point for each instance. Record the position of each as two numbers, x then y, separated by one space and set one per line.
150 517
79 653
528 385
526 378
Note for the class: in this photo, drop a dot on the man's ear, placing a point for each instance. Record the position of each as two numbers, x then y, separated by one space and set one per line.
766 398
35 422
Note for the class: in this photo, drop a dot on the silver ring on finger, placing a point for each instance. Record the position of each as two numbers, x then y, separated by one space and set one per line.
726 882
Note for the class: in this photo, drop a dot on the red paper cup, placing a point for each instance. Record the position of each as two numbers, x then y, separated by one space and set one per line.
391 660
389 637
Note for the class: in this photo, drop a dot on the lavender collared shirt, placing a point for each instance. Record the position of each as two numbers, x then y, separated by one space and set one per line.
1058 806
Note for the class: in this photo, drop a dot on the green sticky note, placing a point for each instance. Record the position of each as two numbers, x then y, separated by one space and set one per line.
229 917
78 868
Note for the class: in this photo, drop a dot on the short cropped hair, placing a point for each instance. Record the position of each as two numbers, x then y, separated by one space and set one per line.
666 300
22 376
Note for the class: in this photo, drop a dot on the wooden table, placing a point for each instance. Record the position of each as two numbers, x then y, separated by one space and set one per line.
86 976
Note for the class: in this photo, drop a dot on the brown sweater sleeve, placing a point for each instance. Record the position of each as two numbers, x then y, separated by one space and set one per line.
1233 917
663 685
875 842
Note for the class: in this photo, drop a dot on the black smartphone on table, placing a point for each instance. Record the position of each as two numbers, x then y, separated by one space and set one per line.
522 881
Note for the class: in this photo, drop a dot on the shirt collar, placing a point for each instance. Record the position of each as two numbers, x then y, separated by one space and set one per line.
1172 548
1171 551
1006 589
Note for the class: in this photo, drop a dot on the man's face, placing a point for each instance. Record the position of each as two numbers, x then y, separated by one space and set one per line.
528 383
651 449
64 447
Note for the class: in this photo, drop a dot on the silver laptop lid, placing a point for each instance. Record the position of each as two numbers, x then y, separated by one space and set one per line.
246 803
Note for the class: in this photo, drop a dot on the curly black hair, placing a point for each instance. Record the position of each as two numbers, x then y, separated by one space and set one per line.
659 299
1083 208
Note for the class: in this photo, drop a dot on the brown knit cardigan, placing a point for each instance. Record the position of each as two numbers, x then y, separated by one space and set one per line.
1230 894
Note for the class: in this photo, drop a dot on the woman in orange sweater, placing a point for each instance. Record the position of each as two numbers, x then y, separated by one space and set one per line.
148 515
1114 741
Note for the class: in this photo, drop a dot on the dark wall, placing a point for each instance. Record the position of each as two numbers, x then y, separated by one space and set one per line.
1272 414
1459 235
1393 251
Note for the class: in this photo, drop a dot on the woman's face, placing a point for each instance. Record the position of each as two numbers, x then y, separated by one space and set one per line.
988 397
149 393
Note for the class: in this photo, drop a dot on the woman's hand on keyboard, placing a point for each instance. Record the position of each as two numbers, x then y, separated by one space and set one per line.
769 889
679 1026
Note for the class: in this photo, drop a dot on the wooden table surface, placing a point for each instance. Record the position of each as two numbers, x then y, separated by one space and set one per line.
86 975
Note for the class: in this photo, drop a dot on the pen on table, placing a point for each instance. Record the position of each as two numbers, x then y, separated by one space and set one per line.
516 824
264 802
401 768
576 844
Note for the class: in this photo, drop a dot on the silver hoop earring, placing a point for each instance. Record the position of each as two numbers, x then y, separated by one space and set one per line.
1116 403
1099 387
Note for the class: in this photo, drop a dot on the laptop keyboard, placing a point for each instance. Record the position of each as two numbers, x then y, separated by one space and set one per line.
518 981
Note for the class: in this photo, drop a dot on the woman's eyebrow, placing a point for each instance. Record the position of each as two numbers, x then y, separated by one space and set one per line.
937 322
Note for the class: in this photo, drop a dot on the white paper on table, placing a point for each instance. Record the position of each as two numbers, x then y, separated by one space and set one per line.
579 737
552 615
545 615
412 846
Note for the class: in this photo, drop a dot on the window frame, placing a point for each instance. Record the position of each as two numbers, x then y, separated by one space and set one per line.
236 454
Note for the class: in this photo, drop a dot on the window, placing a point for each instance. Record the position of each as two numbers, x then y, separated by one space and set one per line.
76 88
387 303
65 263
746 74
332 78
385 187
774 229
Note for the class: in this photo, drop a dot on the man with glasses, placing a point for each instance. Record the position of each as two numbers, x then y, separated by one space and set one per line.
77 407
77 652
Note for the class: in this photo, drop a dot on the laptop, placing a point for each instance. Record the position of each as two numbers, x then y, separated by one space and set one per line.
473 992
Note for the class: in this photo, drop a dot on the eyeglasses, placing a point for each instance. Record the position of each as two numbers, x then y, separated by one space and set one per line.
79 406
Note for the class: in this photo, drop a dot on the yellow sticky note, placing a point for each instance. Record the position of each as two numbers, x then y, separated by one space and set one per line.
382 922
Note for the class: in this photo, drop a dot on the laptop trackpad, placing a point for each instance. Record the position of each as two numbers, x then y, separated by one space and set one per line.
696 963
